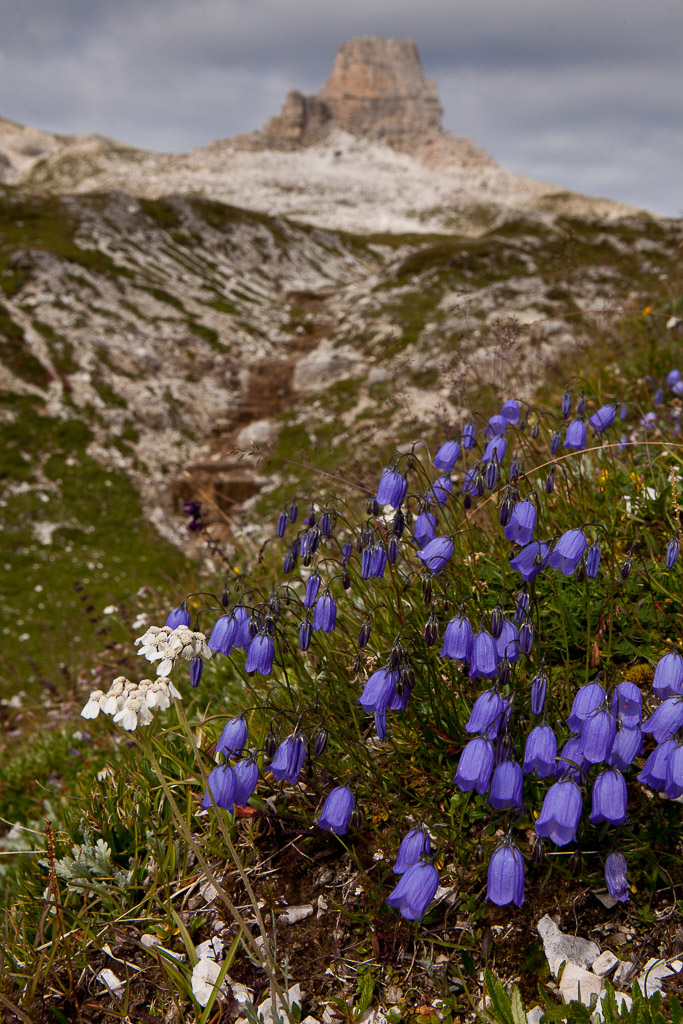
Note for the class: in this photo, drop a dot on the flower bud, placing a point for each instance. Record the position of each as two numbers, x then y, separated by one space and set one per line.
427 588
281 524
357 664
364 632
526 637
399 523
293 512
479 854
492 473
550 481
625 570
566 404
356 819
320 741
535 430
395 657
467 502
346 580
514 469
504 672
287 563
392 550
538 852
575 864
505 511
305 630
326 524
270 745
555 442
672 553
430 630
496 622
581 404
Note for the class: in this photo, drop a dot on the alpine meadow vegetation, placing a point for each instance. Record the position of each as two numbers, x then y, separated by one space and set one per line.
426 715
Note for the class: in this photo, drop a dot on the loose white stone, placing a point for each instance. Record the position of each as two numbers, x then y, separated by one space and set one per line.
654 972
604 963
114 984
577 983
265 1011
294 914
623 970
559 947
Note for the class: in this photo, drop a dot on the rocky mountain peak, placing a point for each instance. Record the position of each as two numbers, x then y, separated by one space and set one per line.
376 89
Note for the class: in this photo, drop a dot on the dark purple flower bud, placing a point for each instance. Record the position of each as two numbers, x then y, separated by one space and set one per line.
424 529
603 418
347 550
576 435
288 563
325 524
610 796
520 529
526 636
437 554
305 631
413 846
398 524
672 553
535 430
178 617
628 744
668 681
627 704
320 741
539 688
293 512
531 560
364 632
260 654
221 784
615 877
447 456
625 570
392 550
506 785
666 720
392 488
415 891
560 814
336 812
483 660
325 614
581 404
550 481
537 852
475 766
566 404
379 561
430 631
505 510
233 737
555 442
540 751
497 623
366 563
270 742
457 641
345 580
568 551
593 556
469 435
597 736
467 502
312 588
487 711
492 473
427 588
282 520
506 875
196 669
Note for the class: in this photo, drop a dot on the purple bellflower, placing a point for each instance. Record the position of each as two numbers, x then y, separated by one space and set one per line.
196 669
603 418
413 846
424 529
178 617
246 777
522 523
668 681
379 691
506 875
487 710
587 700
483 660
655 773
674 773
392 488
437 554
289 759
507 783
610 796
593 556
597 736
560 814
498 446
325 614
336 812
440 491
475 766
568 551
628 744
510 411
415 891
627 704
496 426
221 784
507 643
615 877
457 640
666 720
312 588
540 751
531 560
233 737
447 456
569 756
469 436
223 634
576 435
260 654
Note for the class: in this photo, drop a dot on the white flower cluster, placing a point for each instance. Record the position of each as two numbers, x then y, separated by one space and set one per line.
131 704
167 645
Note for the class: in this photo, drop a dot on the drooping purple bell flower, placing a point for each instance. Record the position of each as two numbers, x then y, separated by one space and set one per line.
597 736
560 814
440 491
413 846
475 766
178 617
469 436
609 799
325 613
487 710
674 773
568 551
628 744
506 875
242 634
615 877
627 704
457 640
540 751
447 456
526 636
260 654
483 660
507 783
587 701
415 891
655 769
392 488
312 588
510 411
522 603
603 418
379 691
221 784
576 435
196 669
223 633
336 812
424 529
507 642
437 554
531 560
305 631
520 529
666 719
289 759
668 681
672 553
496 446
496 426
539 688
569 756
233 737
246 777
379 561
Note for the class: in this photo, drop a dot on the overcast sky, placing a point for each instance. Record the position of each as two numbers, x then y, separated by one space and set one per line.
582 93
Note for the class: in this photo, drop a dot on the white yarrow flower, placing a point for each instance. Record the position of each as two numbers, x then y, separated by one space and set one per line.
132 704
